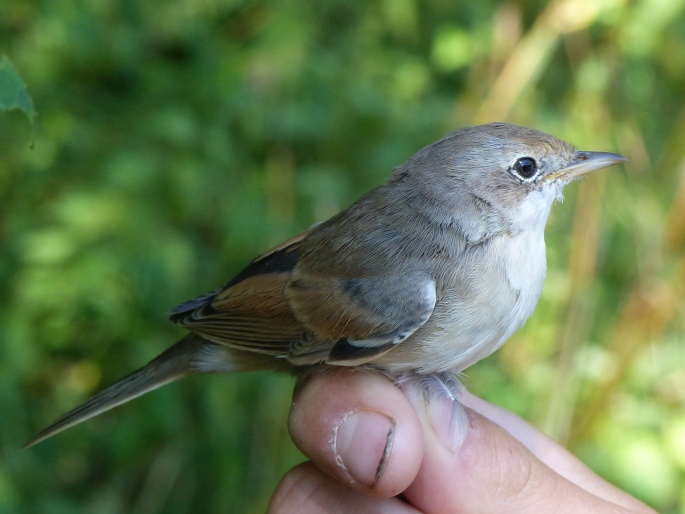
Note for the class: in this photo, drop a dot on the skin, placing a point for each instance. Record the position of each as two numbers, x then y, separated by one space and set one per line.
503 464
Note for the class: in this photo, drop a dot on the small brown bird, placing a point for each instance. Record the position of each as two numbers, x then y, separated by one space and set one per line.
419 279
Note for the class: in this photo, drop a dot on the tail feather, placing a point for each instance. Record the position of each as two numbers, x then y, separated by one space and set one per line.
178 361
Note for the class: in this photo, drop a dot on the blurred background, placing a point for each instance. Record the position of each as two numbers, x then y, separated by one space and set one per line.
175 140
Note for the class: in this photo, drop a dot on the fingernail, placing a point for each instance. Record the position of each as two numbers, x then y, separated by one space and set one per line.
362 442
448 420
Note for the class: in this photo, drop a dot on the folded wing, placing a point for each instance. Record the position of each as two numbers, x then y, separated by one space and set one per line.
275 308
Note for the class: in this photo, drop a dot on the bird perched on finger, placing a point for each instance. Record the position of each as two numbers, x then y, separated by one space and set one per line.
419 279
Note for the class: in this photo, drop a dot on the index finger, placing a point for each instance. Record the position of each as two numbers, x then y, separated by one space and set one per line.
552 454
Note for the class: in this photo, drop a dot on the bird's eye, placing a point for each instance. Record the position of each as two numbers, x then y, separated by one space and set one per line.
525 168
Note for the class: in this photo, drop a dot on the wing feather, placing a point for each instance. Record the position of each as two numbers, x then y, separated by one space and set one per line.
250 312
274 307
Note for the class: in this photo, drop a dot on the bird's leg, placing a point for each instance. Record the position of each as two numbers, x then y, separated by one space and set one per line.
438 396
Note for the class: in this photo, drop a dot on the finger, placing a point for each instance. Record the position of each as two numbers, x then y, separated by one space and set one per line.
305 489
358 427
492 472
552 454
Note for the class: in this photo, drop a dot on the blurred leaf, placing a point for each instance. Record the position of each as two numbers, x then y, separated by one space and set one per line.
13 91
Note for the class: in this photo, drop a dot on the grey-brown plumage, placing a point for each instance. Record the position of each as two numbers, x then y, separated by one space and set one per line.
422 277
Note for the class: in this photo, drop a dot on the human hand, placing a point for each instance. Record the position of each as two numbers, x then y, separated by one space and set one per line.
374 450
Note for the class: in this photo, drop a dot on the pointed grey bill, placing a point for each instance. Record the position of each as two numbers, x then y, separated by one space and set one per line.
586 162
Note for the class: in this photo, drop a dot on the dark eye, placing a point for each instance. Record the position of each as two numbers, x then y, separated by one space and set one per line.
525 167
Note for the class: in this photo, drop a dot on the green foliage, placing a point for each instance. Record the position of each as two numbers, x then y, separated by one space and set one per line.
176 140
13 92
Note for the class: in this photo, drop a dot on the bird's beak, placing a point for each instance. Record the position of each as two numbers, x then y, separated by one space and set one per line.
585 162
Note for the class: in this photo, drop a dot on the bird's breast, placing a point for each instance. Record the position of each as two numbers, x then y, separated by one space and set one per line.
487 294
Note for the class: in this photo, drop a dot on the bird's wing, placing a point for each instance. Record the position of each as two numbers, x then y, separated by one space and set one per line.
354 320
250 312
273 307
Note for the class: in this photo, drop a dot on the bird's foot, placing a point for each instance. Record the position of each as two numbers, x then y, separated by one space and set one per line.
437 396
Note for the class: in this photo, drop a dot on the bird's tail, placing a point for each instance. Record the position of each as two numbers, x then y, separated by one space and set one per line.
190 355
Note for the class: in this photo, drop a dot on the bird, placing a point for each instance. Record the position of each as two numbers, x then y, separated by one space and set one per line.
418 279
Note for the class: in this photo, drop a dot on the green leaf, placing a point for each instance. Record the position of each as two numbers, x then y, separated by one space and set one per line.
13 91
